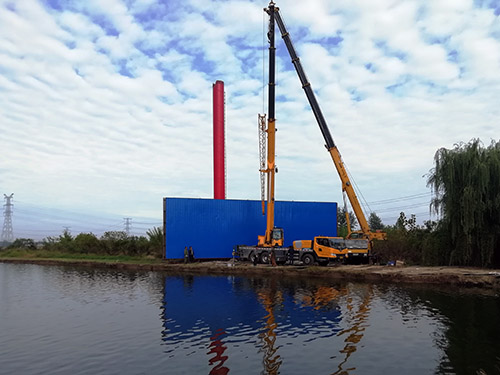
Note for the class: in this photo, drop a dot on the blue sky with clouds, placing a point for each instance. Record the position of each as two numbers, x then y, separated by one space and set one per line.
105 105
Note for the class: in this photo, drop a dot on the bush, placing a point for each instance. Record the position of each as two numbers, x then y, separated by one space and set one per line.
112 243
412 243
23 243
86 243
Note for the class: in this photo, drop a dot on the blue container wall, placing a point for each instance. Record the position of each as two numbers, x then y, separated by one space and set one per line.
214 227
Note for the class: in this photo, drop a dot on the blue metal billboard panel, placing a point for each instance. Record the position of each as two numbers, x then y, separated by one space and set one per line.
214 227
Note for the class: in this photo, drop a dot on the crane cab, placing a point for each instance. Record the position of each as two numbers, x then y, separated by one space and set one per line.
277 238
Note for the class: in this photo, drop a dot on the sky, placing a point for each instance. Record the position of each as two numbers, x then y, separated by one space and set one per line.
106 105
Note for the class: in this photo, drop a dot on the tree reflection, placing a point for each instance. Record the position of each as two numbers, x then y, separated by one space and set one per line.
467 324
470 333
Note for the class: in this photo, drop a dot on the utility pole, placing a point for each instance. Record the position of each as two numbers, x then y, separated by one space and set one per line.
128 224
7 232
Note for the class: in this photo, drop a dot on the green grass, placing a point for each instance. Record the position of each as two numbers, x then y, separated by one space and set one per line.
46 254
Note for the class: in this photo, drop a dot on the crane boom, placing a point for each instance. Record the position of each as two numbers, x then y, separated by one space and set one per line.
330 144
271 237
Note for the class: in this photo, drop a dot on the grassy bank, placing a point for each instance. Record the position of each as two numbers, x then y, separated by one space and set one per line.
89 257
442 276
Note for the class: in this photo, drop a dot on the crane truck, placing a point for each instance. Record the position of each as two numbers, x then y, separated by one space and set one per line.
270 245
357 245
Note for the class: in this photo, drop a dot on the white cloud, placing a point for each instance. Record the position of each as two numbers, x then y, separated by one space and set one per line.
107 106
79 25
444 17
320 16
430 62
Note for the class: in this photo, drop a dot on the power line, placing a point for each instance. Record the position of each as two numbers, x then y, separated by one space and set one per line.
63 216
408 197
402 208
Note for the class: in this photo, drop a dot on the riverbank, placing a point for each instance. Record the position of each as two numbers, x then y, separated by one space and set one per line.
452 276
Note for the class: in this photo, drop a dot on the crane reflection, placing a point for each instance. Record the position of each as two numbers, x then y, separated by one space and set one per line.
356 320
226 320
270 298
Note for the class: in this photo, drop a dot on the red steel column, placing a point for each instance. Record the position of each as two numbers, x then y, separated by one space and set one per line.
219 150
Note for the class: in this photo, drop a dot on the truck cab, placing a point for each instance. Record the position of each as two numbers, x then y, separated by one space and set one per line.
324 249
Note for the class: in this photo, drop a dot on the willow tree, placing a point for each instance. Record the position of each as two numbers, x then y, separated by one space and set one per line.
466 185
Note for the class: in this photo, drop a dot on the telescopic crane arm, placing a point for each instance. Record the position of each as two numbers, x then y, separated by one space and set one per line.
330 145
268 240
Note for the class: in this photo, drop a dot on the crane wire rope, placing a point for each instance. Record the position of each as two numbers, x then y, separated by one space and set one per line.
367 205
355 186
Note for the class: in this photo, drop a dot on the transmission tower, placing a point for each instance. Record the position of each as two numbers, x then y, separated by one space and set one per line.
128 224
7 232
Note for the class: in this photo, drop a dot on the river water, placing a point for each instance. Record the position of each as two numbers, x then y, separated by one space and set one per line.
68 320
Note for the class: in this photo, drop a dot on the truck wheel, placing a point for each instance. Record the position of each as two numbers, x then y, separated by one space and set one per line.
308 259
252 257
264 257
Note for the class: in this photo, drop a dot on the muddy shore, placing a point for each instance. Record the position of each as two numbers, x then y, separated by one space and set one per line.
452 276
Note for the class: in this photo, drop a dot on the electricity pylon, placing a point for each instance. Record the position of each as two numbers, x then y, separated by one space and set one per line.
128 224
7 232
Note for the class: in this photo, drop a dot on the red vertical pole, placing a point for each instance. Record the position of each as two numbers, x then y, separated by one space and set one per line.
219 150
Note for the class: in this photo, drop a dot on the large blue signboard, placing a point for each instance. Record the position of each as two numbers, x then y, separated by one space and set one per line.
213 227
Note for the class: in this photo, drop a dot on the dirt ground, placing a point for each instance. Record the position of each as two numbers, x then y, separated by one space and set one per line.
463 277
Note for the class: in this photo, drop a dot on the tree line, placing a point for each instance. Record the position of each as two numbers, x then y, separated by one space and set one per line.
465 183
112 243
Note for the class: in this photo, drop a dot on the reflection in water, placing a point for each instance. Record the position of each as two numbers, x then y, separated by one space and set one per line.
468 322
322 297
270 298
69 320
218 348
284 325
265 316
357 322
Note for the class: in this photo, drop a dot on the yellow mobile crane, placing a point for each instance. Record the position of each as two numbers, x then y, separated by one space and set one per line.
323 249
271 243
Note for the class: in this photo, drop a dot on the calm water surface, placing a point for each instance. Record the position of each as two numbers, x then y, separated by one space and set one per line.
67 320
